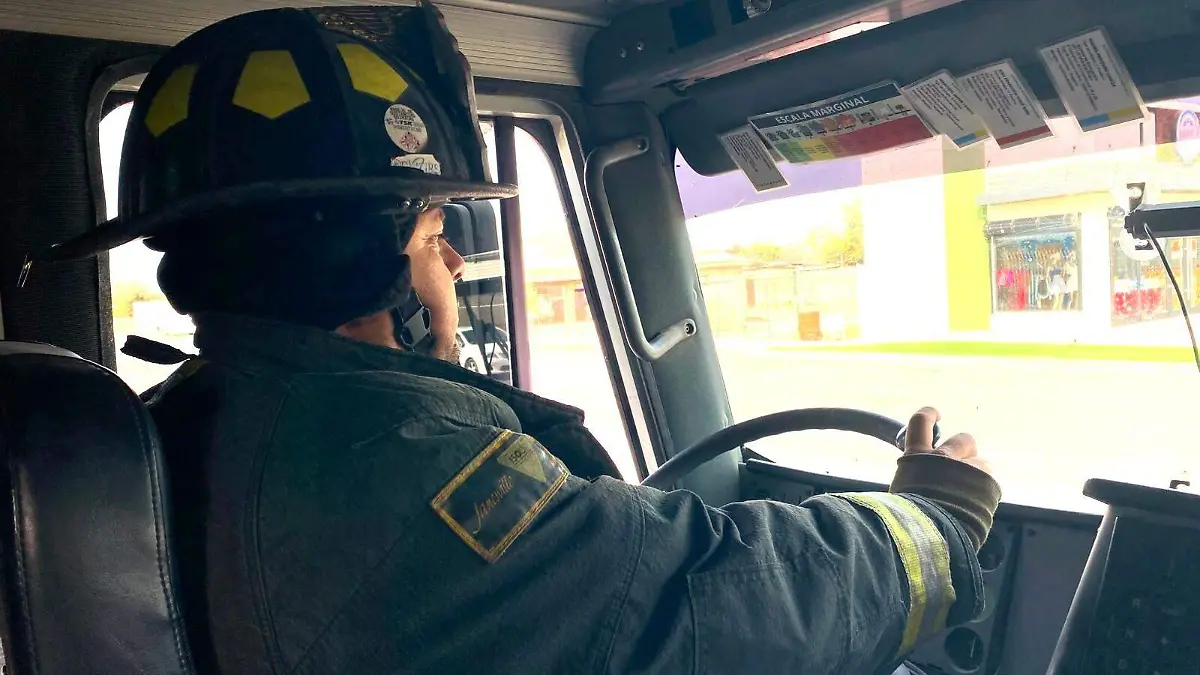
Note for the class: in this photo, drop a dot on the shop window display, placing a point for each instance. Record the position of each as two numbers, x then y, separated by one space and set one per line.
1140 288
1036 271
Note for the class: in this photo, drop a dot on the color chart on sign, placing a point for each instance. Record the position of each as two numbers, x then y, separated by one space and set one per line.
868 120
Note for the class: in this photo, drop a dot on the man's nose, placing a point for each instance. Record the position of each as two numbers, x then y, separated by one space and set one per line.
454 262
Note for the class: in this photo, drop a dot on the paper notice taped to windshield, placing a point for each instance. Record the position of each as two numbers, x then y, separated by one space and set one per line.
747 149
868 120
1000 96
1092 81
938 100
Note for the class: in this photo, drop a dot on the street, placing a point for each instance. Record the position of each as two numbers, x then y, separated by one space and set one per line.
1045 425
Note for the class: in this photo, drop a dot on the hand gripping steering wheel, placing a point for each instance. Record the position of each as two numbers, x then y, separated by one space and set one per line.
870 424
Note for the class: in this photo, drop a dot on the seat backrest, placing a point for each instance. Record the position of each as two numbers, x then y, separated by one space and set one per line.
88 583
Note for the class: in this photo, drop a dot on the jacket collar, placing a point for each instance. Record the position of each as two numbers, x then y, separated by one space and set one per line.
250 342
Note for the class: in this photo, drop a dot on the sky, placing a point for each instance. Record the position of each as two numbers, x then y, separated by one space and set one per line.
783 221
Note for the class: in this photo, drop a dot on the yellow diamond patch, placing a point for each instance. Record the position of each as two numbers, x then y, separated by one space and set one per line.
170 104
371 74
270 84
524 456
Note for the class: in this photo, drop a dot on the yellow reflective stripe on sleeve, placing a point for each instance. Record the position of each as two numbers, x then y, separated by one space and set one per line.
926 560
936 566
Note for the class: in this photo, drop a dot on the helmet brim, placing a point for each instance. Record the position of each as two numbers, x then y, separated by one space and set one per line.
431 189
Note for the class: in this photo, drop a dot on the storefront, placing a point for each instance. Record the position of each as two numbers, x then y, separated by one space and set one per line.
1035 264
1141 290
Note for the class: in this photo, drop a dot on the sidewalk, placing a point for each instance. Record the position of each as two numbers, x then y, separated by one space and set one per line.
1171 332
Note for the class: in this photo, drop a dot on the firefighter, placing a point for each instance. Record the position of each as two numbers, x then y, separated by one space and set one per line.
349 500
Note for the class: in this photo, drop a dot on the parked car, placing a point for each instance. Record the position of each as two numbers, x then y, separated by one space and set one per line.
477 357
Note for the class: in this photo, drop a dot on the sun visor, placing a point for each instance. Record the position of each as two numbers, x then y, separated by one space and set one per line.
980 43
680 42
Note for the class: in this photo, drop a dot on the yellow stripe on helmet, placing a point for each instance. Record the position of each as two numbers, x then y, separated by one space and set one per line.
270 84
370 74
170 103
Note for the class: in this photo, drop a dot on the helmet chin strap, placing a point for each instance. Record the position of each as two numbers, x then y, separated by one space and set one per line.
412 322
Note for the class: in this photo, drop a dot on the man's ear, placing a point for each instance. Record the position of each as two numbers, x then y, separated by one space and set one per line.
376 329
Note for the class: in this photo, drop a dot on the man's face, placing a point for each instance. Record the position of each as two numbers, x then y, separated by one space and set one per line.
435 267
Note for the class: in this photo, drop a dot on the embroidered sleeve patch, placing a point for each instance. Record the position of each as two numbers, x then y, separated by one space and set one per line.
494 498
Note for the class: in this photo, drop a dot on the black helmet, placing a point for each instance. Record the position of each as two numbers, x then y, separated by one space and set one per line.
369 104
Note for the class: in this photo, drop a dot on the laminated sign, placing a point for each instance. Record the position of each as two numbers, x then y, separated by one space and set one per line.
1003 100
753 158
868 120
938 99
1092 81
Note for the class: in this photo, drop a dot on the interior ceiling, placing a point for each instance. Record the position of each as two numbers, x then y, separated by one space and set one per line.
531 40
603 9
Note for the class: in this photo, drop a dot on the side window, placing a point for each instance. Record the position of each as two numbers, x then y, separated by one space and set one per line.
567 362
139 307
565 353
474 231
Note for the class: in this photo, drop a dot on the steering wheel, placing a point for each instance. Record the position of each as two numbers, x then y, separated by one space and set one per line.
870 424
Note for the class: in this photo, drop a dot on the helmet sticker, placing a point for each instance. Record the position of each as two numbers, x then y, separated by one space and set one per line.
426 163
406 128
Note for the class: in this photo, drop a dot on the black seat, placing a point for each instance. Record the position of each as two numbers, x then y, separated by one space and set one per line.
88 583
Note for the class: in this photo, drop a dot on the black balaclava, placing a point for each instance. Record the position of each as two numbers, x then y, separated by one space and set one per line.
315 265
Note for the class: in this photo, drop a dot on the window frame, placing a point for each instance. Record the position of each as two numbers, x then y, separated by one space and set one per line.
553 129
629 385
103 99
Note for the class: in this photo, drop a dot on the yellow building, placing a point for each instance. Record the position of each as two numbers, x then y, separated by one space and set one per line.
1053 247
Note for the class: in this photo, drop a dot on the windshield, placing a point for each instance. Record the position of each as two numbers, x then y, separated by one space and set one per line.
995 285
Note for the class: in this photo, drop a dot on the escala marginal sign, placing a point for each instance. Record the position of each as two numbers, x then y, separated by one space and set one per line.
856 123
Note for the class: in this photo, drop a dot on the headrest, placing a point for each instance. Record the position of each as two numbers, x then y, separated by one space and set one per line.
87 573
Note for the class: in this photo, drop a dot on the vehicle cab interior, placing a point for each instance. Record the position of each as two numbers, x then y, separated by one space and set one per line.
750 236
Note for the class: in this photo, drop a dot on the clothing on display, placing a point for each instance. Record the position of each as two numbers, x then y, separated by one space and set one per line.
1036 273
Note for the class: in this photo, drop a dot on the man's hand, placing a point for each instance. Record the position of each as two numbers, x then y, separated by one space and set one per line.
919 440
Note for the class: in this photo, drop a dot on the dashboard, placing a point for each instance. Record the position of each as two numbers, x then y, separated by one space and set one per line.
1032 564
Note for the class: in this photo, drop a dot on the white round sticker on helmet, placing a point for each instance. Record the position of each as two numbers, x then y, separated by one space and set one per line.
426 163
406 128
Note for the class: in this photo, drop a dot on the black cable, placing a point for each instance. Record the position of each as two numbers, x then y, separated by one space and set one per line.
477 329
484 330
495 342
1178 291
